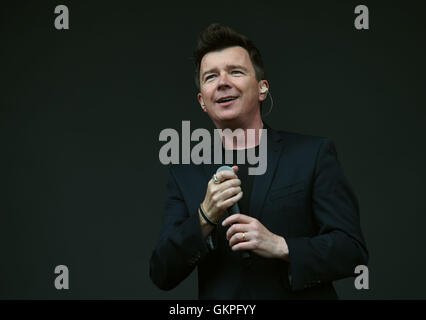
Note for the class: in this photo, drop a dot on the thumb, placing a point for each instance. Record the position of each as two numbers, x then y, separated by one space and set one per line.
235 168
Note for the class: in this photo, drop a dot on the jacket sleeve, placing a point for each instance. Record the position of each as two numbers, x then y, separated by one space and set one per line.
181 244
339 245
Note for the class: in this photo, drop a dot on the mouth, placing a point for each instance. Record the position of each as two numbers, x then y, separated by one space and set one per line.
225 101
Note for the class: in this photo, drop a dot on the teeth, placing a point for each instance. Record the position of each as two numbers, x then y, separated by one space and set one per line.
226 99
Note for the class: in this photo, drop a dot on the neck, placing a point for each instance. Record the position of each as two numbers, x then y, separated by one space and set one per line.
237 135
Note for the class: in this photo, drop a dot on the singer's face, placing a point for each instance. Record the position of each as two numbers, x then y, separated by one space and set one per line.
229 90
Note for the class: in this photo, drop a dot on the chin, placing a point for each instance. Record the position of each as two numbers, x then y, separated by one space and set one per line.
228 117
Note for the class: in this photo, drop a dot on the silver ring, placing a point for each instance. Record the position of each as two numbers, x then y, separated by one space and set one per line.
215 180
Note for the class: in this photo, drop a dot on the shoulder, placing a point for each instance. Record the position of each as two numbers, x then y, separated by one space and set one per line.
298 141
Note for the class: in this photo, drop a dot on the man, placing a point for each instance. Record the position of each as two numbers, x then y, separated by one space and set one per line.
299 227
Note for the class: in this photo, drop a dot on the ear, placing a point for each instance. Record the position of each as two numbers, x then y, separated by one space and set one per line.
201 101
263 90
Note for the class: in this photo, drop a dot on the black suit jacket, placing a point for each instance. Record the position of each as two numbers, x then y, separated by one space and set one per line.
303 196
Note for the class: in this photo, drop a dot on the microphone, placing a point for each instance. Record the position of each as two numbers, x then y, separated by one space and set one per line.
234 209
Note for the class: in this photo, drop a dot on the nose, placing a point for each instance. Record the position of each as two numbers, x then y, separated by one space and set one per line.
223 81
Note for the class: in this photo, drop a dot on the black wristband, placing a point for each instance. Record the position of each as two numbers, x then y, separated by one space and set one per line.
207 219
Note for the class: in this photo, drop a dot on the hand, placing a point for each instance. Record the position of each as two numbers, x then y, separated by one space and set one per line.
247 233
221 196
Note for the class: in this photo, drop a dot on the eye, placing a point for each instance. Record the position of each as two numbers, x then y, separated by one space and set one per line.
236 72
209 77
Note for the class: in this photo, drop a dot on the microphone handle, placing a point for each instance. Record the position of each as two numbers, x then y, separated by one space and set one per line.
233 210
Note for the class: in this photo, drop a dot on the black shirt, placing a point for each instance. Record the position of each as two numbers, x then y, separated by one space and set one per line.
246 179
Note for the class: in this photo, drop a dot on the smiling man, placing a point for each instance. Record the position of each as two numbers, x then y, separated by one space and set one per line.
230 92
299 226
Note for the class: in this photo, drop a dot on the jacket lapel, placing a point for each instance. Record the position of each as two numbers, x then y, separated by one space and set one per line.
262 183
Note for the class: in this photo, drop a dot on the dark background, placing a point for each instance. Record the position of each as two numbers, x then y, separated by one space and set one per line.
81 111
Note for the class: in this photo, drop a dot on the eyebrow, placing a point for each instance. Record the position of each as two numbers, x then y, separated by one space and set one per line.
231 66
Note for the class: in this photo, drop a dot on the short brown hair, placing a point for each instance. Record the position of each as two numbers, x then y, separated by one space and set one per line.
217 37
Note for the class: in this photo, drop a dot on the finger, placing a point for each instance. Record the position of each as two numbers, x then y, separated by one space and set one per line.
245 245
228 193
231 201
237 218
217 189
223 201
228 184
223 184
225 175
236 228
235 168
238 237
